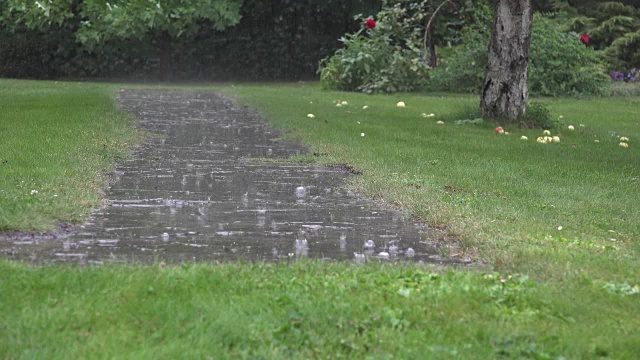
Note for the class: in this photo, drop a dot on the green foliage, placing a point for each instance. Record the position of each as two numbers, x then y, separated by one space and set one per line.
625 50
625 89
616 8
579 23
537 116
385 58
95 22
611 26
405 69
559 63
39 15
274 40
122 19
462 68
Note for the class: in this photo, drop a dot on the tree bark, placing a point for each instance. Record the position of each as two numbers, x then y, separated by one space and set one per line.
505 92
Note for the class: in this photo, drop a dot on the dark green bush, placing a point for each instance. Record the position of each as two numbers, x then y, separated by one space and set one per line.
275 40
559 64
625 89
385 58
624 52
537 116
562 65
462 68
613 26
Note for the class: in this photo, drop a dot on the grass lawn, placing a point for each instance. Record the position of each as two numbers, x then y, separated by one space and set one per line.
564 215
503 197
58 141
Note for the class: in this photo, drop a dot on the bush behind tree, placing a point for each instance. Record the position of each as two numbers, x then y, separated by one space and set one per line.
559 64
398 54
613 26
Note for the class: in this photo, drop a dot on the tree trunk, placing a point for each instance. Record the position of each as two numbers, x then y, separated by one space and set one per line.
505 92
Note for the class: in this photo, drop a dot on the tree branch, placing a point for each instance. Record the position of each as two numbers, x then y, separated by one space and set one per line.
426 30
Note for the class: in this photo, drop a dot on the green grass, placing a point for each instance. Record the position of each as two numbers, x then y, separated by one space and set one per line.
304 310
501 197
58 139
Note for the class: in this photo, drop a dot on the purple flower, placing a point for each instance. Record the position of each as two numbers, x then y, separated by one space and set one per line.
617 76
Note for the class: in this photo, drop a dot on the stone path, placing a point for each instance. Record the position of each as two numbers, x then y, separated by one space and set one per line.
193 193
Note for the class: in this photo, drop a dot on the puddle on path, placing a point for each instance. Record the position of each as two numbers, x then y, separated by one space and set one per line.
193 194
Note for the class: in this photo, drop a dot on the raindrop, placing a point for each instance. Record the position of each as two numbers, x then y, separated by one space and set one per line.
203 210
302 248
383 255
300 191
165 236
410 252
369 244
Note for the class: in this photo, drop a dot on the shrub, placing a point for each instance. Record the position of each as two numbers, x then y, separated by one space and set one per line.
537 116
614 27
559 64
624 52
625 89
384 58
462 68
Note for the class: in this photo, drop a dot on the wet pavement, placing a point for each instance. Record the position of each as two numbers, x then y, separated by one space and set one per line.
193 192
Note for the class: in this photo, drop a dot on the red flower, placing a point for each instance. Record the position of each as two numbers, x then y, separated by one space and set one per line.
584 38
371 24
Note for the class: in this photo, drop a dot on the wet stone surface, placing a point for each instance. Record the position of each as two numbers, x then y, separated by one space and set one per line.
192 193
